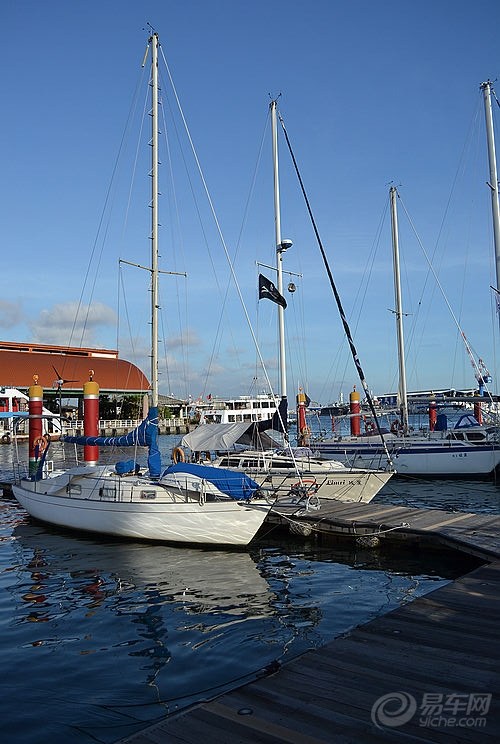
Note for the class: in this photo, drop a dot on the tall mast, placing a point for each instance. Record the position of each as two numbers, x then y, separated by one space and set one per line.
154 220
493 182
281 247
402 392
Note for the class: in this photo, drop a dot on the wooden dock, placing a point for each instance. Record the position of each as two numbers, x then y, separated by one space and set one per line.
428 671
475 534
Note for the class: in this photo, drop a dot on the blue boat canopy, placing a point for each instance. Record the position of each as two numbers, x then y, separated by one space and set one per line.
231 482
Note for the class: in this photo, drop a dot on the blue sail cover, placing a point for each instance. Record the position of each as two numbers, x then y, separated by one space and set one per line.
234 484
144 435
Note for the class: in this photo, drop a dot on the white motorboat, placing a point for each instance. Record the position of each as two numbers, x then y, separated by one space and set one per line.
244 408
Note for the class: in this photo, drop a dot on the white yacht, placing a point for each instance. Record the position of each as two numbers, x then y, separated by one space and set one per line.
242 409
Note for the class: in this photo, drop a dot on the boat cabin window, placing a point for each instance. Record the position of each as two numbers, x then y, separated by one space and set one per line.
467 436
281 464
230 462
249 462
476 436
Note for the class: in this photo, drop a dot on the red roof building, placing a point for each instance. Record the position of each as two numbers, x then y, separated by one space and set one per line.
20 362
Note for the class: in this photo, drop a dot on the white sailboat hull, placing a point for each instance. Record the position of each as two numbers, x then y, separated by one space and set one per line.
427 458
342 485
138 508
285 476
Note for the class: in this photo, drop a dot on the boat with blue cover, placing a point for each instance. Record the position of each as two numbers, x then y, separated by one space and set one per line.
135 500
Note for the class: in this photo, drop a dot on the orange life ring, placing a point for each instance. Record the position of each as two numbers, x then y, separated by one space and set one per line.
308 483
42 444
369 426
178 455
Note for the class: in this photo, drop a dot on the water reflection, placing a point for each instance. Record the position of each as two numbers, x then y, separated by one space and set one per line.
65 575
117 633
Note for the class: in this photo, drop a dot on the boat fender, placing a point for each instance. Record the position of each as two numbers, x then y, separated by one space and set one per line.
41 443
396 426
178 455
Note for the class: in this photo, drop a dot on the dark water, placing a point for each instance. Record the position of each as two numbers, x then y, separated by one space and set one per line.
100 637
477 496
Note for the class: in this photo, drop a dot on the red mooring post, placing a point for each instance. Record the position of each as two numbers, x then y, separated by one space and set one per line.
37 443
355 409
91 419
433 413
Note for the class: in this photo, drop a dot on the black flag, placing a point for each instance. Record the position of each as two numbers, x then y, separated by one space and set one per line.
269 291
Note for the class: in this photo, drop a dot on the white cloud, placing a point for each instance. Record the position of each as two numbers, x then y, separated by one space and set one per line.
10 314
71 324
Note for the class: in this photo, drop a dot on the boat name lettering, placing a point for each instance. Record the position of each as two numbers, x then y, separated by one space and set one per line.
332 482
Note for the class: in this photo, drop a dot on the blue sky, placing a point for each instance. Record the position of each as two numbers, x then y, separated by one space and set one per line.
371 94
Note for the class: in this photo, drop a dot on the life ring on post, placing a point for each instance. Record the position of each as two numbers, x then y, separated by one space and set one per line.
178 455
369 426
41 443
396 426
309 484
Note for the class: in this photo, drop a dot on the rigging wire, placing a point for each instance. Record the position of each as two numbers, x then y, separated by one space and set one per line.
448 305
101 224
345 324
217 224
228 285
360 298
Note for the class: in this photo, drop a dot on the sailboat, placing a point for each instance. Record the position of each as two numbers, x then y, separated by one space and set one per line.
467 450
293 475
205 506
